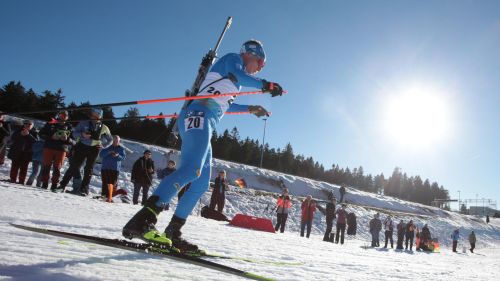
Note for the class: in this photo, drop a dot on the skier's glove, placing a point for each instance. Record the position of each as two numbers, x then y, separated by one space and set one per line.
274 88
258 110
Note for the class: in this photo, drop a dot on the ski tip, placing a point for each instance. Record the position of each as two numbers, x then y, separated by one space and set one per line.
257 277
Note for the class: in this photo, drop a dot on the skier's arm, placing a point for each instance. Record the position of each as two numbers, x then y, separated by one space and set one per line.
234 107
234 65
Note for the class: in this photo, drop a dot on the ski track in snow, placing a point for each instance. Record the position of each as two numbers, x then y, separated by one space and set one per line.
30 256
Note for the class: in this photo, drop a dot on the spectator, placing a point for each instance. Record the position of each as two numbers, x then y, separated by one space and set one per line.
455 236
342 193
283 206
330 216
472 241
351 224
389 229
36 163
308 208
142 176
219 192
168 170
92 135
112 158
21 151
4 136
425 239
401 235
341 222
487 219
375 227
57 136
409 235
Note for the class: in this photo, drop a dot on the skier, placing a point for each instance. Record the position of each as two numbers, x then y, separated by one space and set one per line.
92 135
282 207
196 123
472 241
308 208
219 192
142 176
455 236
389 229
375 227
409 235
330 216
341 222
112 157
21 151
57 136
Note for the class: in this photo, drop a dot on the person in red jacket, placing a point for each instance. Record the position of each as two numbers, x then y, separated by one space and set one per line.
308 209
282 207
341 222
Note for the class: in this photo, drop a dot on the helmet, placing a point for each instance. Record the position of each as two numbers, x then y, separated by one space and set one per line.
254 48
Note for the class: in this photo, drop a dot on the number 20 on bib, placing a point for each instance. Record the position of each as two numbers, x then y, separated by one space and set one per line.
194 122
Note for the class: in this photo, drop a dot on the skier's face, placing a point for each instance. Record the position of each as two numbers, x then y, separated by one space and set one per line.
253 64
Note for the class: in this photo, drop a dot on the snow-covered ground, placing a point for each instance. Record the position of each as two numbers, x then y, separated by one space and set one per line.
30 256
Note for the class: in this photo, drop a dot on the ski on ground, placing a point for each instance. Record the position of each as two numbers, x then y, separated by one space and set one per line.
147 249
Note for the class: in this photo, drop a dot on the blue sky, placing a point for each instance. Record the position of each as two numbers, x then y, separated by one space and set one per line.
343 63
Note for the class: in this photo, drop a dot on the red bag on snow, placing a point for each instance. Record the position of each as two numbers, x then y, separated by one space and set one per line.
254 223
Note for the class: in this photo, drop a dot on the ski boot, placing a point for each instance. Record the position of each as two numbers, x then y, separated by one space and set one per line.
142 225
173 232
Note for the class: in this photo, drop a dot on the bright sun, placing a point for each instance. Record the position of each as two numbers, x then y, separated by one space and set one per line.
417 118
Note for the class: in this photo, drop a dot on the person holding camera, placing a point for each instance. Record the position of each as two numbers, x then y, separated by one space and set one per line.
92 135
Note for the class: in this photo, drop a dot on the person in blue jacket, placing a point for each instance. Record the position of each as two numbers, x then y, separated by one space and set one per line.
196 121
36 163
112 157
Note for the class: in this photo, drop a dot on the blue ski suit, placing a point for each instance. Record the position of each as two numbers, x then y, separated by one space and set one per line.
196 123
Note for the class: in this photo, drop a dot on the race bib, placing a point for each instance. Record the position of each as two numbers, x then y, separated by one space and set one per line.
212 85
195 120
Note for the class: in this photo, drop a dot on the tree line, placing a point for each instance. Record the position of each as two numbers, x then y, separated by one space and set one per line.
230 146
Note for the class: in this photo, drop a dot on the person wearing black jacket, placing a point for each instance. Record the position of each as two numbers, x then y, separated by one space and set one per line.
219 192
21 151
4 137
330 216
342 193
142 176
57 136
409 235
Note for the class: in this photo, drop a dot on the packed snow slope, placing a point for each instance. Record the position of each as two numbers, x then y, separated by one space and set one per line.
30 256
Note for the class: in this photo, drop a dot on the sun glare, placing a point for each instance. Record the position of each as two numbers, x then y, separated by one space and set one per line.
417 118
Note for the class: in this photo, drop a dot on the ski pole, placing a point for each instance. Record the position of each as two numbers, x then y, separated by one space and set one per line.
152 117
152 101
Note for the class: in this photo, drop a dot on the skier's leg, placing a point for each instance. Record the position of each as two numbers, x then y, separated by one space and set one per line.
198 187
186 205
195 145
